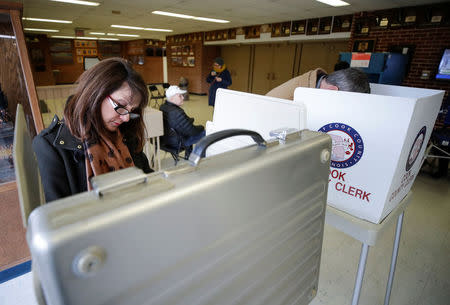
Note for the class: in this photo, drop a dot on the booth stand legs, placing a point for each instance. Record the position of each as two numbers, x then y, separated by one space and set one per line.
368 234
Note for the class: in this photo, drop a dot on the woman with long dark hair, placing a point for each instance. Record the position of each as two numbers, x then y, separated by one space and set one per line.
102 130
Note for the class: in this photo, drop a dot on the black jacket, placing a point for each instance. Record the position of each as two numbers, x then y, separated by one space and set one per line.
175 117
61 161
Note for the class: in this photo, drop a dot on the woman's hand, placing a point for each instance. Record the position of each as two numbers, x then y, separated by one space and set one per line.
218 79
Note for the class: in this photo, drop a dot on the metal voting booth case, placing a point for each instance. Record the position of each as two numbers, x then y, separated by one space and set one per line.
243 227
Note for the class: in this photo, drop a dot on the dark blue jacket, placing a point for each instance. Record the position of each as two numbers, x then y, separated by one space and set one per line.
226 81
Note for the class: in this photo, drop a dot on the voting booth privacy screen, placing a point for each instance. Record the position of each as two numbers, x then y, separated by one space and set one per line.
379 139
235 109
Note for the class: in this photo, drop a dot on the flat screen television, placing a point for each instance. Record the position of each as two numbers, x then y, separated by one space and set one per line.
444 66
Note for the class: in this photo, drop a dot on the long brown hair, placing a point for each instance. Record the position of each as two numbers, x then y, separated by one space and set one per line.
83 114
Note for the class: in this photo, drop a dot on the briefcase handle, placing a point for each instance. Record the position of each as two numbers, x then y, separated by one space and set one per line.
203 144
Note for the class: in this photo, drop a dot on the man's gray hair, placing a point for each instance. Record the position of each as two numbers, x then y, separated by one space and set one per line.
350 79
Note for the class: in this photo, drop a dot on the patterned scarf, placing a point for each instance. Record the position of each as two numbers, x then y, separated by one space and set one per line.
220 70
105 157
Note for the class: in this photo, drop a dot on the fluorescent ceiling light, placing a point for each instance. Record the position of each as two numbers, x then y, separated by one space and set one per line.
108 38
84 37
211 20
57 36
7 36
157 30
173 14
40 30
189 17
139 28
78 2
96 33
127 35
46 20
334 2
126 27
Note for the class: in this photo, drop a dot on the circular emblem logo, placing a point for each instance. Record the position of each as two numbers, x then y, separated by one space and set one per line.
348 146
416 147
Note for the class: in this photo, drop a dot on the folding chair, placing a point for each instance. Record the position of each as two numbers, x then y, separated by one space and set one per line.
156 95
175 151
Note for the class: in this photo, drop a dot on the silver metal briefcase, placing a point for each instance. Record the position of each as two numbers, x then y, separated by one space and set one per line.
243 227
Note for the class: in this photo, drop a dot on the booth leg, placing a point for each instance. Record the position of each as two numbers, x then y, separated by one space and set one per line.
398 232
360 273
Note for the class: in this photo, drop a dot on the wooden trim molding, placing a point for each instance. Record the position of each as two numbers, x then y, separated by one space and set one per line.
28 75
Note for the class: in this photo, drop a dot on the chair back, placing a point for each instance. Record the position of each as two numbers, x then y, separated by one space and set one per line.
28 179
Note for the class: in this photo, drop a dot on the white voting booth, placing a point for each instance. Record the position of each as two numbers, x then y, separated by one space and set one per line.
379 139
259 113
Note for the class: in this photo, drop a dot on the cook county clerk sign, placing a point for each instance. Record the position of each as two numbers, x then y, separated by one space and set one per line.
347 150
378 143
348 146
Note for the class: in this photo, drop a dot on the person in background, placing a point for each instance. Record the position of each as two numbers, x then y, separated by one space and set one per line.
340 65
350 79
176 122
219 77
102 130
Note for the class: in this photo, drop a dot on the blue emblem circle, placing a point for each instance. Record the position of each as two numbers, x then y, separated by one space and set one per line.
348 145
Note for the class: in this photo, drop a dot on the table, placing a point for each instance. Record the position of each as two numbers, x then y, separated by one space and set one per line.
367 233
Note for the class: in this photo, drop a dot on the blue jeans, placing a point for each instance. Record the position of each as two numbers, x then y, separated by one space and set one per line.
194 139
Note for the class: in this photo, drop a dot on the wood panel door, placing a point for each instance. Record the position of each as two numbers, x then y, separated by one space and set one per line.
282 64
273 65
262 69
321 54
237 60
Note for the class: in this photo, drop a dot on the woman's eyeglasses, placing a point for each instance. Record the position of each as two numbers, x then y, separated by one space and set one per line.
121 109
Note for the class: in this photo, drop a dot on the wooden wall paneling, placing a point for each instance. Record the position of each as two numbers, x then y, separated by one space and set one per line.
298 56
321 54
273 65
262 69
209 53
152 69
39 44
196 75
26 68
237 59
283 63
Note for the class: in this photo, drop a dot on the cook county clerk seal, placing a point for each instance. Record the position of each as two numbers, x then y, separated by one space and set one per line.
348 145
415 148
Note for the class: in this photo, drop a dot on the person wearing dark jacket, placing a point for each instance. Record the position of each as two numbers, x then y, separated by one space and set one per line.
218 78
103 121
177 122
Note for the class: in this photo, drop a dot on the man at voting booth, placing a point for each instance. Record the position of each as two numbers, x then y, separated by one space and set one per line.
176 122
350 79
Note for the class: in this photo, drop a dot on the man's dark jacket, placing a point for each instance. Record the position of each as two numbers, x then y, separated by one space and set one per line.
174 118
61 161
